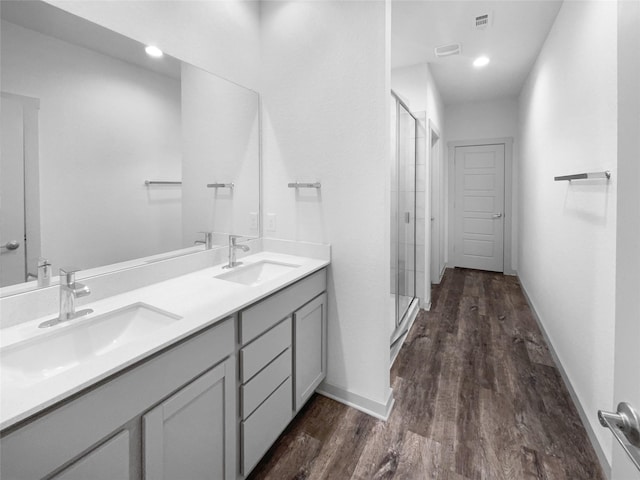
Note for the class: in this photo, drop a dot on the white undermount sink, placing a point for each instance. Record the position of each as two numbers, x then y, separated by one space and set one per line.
69 344
257 273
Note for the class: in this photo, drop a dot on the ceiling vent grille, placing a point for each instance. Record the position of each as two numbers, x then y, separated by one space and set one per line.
446 50
482 21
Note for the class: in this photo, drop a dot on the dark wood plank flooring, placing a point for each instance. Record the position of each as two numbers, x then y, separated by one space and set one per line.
477 397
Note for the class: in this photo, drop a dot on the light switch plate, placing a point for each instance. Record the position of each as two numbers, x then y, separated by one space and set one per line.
271 222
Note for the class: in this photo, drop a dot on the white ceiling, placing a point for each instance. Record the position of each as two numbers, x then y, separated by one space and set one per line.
512 41
51 21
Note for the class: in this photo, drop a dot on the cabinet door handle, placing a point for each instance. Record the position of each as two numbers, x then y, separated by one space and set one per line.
497 215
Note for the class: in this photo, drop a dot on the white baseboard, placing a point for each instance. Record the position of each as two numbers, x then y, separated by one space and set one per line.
365 405
602 458
438 281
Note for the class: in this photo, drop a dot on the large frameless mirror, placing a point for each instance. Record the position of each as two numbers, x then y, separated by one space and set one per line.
110 157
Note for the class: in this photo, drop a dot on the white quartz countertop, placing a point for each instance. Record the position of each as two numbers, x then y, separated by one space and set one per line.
199 298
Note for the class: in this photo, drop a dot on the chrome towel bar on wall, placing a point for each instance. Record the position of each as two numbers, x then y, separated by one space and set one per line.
220 185
304 185
584 176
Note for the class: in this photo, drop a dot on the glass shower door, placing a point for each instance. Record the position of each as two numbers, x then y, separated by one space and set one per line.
403 208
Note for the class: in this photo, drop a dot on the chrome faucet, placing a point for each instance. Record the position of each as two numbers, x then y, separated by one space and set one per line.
207 242
233 246
69 291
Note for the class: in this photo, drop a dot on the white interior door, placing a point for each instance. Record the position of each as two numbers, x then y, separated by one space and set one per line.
479 207
627 353
12 226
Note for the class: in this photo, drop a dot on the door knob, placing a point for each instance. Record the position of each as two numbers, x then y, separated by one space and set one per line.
12 245
625 426
497 215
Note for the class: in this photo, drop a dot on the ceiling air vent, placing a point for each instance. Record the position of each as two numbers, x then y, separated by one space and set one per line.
482 21
446 50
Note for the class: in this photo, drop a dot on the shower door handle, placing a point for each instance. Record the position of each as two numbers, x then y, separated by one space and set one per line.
407 217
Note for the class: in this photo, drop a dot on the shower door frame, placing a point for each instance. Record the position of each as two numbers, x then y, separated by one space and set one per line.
399 319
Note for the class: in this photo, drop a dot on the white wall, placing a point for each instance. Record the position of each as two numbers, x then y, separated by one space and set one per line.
567 255
94 207
220 36
220 144
486 120
326 118
416 87
478 120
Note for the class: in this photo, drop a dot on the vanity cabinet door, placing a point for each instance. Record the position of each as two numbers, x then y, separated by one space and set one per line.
191 435
109 461
310 348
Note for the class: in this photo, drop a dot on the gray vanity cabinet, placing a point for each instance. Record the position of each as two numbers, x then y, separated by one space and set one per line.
109 461
107 432
282 353
176 415
310 340
184 436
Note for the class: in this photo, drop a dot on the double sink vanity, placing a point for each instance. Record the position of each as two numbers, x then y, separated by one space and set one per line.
154 361
191 377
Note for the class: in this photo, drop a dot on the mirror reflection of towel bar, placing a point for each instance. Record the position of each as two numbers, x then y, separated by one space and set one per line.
220 185
584 176
160 182
304 185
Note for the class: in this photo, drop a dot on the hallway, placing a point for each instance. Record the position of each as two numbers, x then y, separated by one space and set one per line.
477 397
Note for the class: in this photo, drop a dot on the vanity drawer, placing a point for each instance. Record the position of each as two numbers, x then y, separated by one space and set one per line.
263 315
259 353
264 383
264 426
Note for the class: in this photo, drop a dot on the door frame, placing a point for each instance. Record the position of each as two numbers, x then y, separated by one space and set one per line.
508 196
436 229
31 179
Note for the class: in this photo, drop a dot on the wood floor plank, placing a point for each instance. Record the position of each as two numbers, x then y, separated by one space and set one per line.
381 455
291 457
421 458
321 416
478 396
341 451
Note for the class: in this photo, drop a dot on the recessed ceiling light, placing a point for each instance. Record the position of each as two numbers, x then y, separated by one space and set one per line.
153 51
481 62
